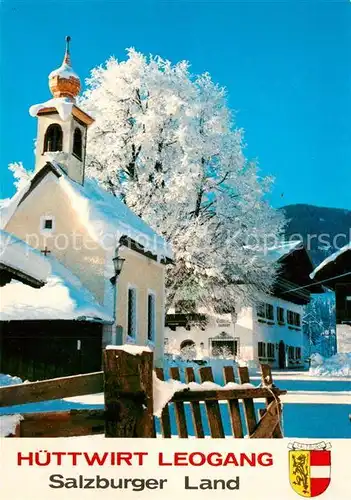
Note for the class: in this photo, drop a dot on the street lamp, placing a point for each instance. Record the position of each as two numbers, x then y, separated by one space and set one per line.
118 265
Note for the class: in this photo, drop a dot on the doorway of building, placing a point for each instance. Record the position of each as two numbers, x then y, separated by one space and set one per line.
281 354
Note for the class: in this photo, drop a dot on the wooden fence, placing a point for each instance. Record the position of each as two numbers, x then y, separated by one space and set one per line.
127 384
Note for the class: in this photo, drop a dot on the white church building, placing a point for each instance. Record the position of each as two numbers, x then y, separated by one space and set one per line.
78 270
269 332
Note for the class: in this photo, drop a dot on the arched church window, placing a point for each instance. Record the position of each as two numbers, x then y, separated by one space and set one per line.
77 143
53 138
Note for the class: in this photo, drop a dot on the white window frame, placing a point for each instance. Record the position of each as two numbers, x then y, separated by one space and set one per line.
153 337
132 338
43 219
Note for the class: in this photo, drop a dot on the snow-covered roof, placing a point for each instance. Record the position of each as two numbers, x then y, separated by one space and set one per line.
63 106
17 255
330 259
277 252
63 297
105 216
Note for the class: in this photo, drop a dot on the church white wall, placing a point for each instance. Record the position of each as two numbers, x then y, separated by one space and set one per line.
72 245
69 241
145 276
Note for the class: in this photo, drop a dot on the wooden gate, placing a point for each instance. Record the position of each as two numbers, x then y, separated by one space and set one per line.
127 383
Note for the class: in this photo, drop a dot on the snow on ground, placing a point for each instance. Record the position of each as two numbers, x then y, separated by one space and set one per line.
297 397
8 380
8 424
315 406
338 365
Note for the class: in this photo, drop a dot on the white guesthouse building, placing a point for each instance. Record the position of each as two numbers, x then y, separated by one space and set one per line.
270 332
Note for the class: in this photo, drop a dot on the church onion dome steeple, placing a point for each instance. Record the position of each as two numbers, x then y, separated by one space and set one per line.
64 84
63 81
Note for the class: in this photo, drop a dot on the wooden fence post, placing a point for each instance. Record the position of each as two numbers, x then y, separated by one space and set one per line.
128 394
267 381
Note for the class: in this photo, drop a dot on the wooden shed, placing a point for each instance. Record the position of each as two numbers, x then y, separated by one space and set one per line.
52 328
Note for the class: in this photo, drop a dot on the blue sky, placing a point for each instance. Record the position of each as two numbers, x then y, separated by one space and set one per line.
286 66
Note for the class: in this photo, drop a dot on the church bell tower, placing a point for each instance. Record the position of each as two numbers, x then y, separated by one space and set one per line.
62 125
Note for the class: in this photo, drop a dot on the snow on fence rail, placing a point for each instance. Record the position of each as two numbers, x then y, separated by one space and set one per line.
133 395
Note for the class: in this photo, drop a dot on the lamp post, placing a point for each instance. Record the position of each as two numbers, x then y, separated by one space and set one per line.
118 265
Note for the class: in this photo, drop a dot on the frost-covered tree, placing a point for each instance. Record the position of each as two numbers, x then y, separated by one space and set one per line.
20 174
319 324
21 177
167 144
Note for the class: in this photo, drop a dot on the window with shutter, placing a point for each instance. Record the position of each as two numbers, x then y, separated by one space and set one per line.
261 350
261 310
270 350
280 315
77 143
290 317
132 313
297 319
269 312
151 317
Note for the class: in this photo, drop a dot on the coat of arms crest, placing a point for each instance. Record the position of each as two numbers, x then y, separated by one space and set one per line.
309 468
